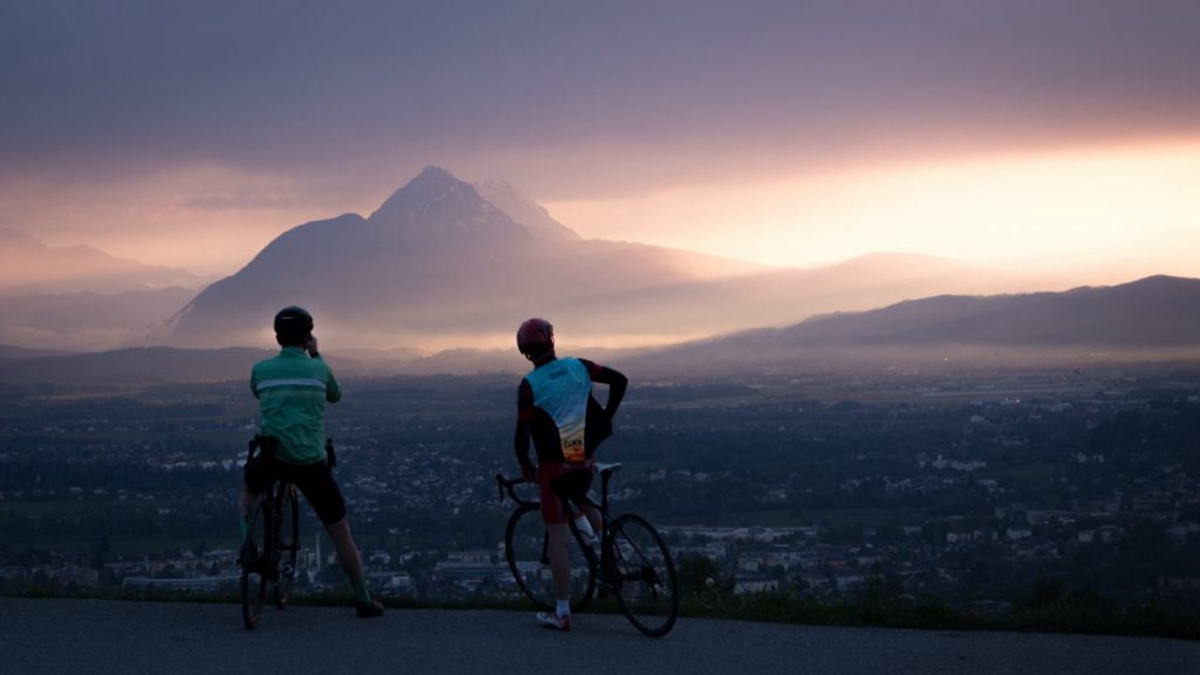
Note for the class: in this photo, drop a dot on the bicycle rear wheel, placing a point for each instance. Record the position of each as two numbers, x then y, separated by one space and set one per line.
288 545
643 576
526 548
254 557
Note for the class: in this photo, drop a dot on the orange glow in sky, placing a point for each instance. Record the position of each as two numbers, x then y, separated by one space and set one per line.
1133 208
788 133
1127 210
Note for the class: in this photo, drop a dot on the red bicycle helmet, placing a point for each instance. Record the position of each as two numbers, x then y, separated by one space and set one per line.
535 336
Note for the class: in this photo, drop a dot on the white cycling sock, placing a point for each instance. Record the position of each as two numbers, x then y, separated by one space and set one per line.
562 607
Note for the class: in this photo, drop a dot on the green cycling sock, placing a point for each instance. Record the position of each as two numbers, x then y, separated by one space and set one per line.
244 526
361 593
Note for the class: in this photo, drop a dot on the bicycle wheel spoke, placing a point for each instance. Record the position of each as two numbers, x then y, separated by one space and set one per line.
525 549
528 556
644 582
288 547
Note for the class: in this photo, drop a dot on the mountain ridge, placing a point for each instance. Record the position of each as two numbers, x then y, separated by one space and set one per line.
437 265
1152 311
861 339
1153 318
29 266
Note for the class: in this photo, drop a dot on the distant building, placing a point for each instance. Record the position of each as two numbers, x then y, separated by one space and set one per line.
1018 533
845 581
755 584
204 584
1191 584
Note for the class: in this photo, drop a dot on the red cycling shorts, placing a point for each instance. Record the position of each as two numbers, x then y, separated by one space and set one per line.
559 481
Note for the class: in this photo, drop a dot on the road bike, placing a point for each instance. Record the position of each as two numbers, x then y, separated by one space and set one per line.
628 561
268 554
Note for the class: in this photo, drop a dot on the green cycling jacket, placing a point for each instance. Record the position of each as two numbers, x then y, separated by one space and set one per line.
292 390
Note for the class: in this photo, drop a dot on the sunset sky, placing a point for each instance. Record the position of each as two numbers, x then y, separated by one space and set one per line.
1041 133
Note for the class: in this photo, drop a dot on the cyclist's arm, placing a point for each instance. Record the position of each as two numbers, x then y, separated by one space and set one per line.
524 417
616 381
333 392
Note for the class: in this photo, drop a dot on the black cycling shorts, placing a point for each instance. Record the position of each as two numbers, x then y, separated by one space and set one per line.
315 482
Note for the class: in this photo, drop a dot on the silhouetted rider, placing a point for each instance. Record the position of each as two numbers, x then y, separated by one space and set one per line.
292 390
555 408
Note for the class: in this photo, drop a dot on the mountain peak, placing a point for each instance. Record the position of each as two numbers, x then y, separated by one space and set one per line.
524 210
435 173
437 194
434 179
434 190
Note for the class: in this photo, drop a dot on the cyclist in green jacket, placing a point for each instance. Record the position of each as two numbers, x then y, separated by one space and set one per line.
292 390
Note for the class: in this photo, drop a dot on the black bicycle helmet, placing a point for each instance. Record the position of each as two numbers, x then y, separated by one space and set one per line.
293 324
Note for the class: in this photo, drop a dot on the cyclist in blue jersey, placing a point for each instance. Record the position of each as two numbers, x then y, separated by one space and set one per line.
292 390
555 408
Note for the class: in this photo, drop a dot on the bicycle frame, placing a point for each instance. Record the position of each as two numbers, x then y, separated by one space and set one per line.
603 536
272 562
273 498
634 563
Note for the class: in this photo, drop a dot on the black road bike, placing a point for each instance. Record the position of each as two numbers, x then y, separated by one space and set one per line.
629 561
268 554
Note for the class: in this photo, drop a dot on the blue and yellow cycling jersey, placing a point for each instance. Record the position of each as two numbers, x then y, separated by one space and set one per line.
562 389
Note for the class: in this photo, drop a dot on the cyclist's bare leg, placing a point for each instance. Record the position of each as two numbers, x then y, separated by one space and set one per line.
560 567
348 556
347 550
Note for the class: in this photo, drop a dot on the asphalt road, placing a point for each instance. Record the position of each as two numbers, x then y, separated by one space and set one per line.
99 637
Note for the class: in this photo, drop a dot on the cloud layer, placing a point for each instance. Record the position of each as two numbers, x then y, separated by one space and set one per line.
313 107
311 85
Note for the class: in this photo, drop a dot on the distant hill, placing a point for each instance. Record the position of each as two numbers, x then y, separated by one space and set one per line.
140 365
158 365
443 264
1158 314
28 266
151 365
10 353
1154 312
86 321
1155 317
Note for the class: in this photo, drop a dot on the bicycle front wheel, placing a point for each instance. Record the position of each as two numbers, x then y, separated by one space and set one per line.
254 556
288 540
527 550
643 576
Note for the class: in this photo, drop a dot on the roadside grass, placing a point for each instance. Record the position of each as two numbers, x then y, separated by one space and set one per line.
1084 613
1081 612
